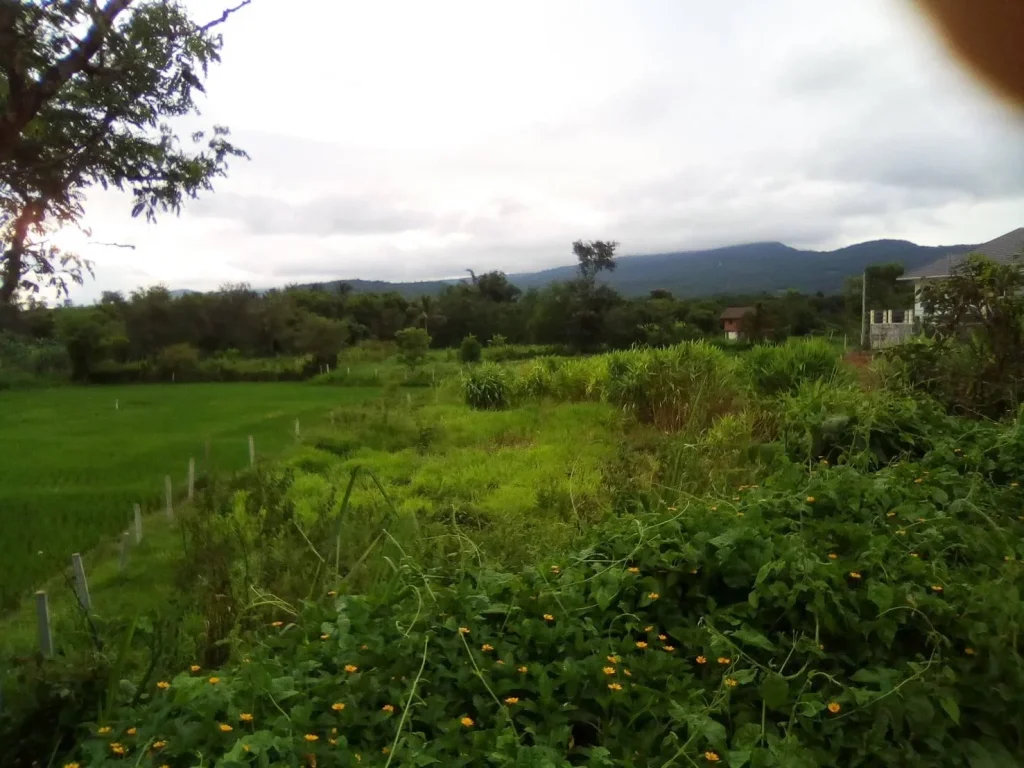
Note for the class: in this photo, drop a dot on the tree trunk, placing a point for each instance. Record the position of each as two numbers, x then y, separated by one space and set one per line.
13 257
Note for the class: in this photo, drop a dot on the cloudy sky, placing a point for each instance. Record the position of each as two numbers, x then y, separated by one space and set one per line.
403 140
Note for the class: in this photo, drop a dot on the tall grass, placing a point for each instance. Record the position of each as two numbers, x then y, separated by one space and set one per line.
773 369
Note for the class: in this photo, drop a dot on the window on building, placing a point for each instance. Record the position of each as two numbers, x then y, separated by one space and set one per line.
877 316
899 316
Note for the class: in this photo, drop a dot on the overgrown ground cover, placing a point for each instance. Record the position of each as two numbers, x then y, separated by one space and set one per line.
778 568
73 465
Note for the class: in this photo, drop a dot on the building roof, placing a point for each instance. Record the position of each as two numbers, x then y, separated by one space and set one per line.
736 313
1002 250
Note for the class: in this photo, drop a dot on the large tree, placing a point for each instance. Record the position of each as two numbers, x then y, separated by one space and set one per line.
86 91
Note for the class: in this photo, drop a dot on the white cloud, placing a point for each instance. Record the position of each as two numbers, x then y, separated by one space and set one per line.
406 140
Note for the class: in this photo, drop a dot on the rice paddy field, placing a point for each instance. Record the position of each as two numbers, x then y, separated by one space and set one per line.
73 461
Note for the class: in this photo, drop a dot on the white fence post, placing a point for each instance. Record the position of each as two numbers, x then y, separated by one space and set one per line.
191 478
298 433
81 584
169 497
252 451
138 524
43 621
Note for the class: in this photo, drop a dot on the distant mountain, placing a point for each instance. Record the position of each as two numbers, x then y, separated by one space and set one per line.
737 269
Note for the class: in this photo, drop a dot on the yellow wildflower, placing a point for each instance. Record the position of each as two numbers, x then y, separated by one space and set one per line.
117 748
627 673
486 647
969 651
641 644
633 569
331 593
834 707
702 660
556 570
467 721
669 648
648 629
103 729
351 668
810 499
388 708
833 556
614 659
214 680
711 757
724 660
512 700
609 670
523 669
548 617
277 623
245 717
936 588
311 737
614 687
163 685
159 744
855 575
324 636
731 682
654 595
225 727
337 706
463 630
131 731
663 638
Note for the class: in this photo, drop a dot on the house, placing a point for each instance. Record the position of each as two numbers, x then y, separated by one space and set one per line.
734 321
1003 250
892 326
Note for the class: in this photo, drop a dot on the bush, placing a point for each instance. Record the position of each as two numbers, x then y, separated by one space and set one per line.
783 368
470 351
413 344
486 387
177 361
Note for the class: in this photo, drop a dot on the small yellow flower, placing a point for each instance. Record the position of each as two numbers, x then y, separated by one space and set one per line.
641 644
512 700
131 731
350 668
669 648
731 682
890 514
385 750
71 765
914 554
969 651
523 669
159 744
936 588
633 569
277 623
548 617
920 519
810 499
225 727
653 595
117 748
501 662
388 708
609 670
337 706
556 570
332 742
855 575
901 532
648 629
463 630
363 647
702 660
833 556
195 668
467 721
614 659
724 660
245 717
1014 484
834 707
163 685
711 757
714 509
103 729
627 673
663 638
614 687
332 593
311 737
214 680
919 480
486 647
324 636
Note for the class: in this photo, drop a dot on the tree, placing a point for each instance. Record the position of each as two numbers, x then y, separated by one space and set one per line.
595 256
470 351
425 309
84 91
413 344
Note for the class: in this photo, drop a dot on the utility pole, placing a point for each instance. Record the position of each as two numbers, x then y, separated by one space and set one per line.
864 310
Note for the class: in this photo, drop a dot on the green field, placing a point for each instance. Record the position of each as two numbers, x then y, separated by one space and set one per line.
73 464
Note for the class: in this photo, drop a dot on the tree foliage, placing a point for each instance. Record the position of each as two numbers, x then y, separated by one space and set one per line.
86 93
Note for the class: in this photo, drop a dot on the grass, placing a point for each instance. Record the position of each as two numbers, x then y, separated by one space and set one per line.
73 464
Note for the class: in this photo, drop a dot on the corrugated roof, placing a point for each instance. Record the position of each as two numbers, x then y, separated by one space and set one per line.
736 313
1003 249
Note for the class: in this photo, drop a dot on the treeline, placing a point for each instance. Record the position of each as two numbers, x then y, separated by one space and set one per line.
168 332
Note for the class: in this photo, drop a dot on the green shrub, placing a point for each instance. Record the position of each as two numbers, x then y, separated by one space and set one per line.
413 344
470 351
486 387
177 361
681 388
784 367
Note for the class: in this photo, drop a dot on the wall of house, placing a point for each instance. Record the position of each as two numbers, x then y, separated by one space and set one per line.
882 335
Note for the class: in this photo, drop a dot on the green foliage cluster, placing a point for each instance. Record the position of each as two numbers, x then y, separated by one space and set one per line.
24 362
826 616
470 350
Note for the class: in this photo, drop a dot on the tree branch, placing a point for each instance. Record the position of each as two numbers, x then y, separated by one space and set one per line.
224 16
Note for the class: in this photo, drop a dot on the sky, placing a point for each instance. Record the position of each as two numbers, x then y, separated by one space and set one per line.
407 140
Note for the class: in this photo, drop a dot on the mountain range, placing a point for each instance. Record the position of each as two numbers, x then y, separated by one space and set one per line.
753 268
